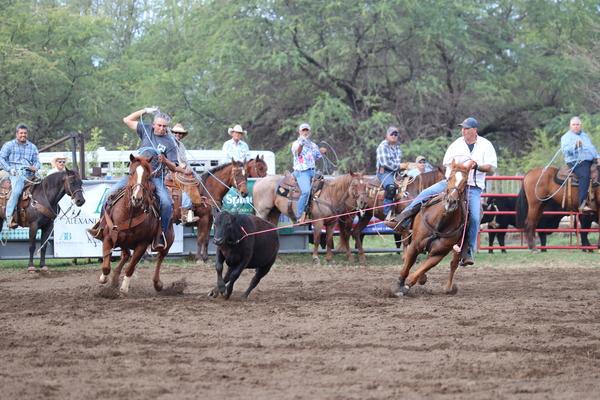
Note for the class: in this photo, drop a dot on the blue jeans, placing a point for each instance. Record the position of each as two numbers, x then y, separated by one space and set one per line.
166 205
474 200
386 179
186 201
582 171
304 178
18 183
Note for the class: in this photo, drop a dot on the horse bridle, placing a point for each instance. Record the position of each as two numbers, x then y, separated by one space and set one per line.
234 170
67 186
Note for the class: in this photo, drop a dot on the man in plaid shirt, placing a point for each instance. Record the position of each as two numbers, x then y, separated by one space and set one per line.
19 158
389 157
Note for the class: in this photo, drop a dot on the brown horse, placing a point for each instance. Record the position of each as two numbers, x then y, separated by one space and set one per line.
340 195
42 208
437 227
539 188
213 185
374 206
256 167
131 221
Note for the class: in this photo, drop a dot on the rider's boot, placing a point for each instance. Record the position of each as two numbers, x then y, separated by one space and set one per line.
160 242
11 222
95 231
403 221
585 209
187 216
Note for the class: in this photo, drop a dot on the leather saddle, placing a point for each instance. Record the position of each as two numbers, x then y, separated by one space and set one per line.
288 187
24 200
565 173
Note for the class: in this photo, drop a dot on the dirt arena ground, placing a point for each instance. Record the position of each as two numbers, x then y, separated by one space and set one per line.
306 333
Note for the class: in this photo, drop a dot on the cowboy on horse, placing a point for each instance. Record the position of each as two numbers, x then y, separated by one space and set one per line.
579 154
154 137
19 158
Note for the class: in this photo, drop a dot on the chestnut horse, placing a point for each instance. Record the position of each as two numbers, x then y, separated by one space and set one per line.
539 188
439 225
131 221
374 207
213 185
340 195
256 167
42 209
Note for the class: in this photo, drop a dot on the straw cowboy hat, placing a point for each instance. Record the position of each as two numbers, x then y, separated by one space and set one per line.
178 128
60 156
236 128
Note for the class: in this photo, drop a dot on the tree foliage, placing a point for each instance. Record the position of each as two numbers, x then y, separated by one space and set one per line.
349 68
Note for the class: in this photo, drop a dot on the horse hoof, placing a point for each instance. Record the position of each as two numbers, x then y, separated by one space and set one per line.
31 269
453 290
316 261
213 293
158 286
44 271
423 279
103 279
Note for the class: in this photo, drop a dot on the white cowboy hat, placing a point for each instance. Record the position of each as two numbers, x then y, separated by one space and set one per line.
178 128
60 156
236 128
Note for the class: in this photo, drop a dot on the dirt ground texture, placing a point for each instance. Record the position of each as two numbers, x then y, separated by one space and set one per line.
307 332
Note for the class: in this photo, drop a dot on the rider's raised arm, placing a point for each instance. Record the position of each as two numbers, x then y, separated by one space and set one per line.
132 119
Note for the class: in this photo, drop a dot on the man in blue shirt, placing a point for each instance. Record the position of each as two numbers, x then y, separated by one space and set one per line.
389 156
579 153
154 137
19 158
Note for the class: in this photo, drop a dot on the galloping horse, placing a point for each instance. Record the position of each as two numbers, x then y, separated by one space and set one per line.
437 227
213 186
340 195
42 208
131 221
539 188
375 206
256 167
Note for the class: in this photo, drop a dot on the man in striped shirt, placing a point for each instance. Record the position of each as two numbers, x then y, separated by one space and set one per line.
19 158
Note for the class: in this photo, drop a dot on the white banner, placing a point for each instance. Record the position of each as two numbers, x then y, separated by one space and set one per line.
70 236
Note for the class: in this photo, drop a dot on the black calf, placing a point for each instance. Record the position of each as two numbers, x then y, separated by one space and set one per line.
240 249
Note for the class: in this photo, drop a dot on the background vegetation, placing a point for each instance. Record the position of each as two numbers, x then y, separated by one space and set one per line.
349 68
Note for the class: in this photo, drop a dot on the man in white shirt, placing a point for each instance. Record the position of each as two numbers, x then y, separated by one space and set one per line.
235 148
474 152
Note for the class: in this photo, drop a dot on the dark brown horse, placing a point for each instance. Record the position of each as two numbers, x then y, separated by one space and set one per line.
42 208
437 227
340 195
213 186
131 221
256 167
538 189
374 206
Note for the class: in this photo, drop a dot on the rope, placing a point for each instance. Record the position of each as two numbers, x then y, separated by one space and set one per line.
535 190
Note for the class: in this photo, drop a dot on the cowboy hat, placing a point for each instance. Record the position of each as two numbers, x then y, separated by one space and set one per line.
236 128
178 128
60 156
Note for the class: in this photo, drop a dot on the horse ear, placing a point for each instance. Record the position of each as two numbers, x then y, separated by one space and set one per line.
131 157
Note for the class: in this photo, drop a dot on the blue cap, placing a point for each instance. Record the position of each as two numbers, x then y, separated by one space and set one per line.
469 123
304 126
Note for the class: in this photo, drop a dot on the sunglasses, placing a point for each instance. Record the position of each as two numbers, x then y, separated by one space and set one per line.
394 134
422 162
61 162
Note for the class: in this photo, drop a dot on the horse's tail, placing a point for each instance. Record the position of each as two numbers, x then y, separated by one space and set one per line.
522 208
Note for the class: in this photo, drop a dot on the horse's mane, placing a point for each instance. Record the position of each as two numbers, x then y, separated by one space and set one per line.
339 184
218 168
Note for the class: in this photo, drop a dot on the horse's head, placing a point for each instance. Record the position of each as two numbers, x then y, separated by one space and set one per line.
457 182
140 172
73 186
239 177
257 167
358 190
224 228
